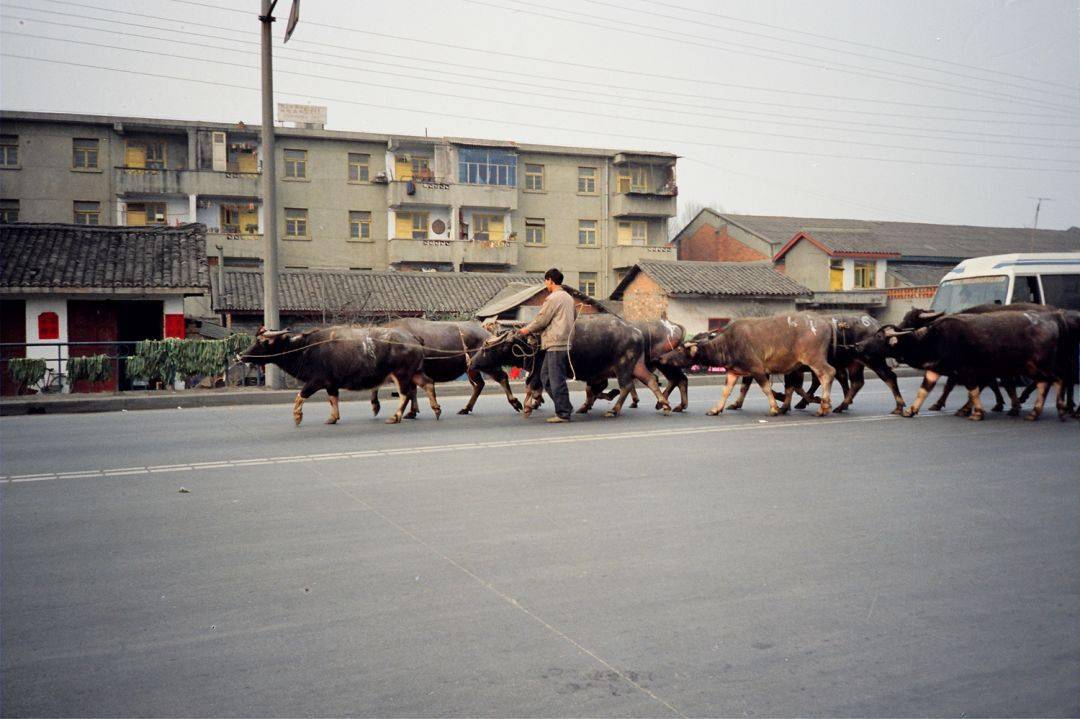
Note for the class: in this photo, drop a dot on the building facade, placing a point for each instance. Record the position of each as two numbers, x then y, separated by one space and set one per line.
349 200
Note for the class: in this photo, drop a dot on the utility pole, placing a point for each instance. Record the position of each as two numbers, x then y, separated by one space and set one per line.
271 314
1035 224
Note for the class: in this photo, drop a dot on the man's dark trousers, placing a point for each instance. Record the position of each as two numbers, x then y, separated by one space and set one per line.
553 375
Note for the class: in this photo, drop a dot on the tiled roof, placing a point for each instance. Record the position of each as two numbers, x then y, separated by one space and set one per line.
363 292
918 274
48 256
514 295
840 242
912 239
752 279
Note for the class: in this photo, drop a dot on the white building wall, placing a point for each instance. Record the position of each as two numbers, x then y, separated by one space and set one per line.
34 307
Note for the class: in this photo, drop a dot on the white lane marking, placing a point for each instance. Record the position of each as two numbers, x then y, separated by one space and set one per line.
429 449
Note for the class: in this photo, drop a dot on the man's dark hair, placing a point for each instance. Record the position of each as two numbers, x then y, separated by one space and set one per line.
554 275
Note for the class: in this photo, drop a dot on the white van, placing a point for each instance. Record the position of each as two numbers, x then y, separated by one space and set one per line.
1047 278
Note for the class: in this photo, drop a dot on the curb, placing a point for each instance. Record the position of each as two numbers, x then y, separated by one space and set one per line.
193 399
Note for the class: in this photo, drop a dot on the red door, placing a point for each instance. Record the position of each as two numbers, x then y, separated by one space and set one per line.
12 329
90 321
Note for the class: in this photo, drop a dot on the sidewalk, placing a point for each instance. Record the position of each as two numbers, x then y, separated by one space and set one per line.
193 398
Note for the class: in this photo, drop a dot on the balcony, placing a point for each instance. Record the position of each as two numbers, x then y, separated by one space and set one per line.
494 197
234 244
424 192
643 204
480 252
139 181
427 251
623 256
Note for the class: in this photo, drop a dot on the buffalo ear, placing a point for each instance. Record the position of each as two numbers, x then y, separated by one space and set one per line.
693 350
262 330
893 341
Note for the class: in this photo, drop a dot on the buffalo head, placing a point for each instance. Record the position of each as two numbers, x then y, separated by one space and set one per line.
916 318
269 346
504 349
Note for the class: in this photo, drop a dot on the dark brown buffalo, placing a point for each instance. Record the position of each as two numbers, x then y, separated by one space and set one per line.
916 318
977 348
661 336
447 347
353 358
759 347
601 347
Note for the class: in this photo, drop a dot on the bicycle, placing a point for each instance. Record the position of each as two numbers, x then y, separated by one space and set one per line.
53 382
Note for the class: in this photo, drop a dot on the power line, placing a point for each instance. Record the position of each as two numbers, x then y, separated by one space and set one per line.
187 32
609 25
559 128
637 73
833 49
921 133
587 113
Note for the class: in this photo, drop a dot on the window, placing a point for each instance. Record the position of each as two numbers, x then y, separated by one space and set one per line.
412 167
359 225
295 164
836 275
586 233
419 225
146 213
534 231
87 213
84 154
296 222
9 150
534 178
633 232
145 154
240 219
586 180
9 210
587 283
1062 291
865 274
487 228
634 178
230 218
955 295
411 225
155 155
1026 289
482 166
358 167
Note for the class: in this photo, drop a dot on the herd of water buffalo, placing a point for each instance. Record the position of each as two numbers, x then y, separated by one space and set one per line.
991 346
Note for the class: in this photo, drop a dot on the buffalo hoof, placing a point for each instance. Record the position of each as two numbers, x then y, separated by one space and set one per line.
526 412
633 404
412 415
516 405
784 409
1014 412
736 406
394 420
464 410
659 405
773 412
714 412
899 409
821 413
976 416
438 412
666 409
841 408
803 404
332 420
908 412
1031 416
680 408
583 409
375 407
297 418
997 407
611 413
936 407
963 412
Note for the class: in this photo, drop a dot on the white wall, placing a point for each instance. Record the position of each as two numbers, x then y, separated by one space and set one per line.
34 307
694 314
849 273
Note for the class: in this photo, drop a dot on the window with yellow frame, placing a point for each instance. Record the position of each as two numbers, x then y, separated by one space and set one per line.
633 232
865 274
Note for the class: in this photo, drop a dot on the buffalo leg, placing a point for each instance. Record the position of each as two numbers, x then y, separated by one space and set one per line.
940 404
375 406
1014 401
730 385
743 389
592 392
856 378
477 382
999 401
889 377
335 410
930 379
976 403
424 382
766 387
302 396
634 397
675 378
647 378
1040 398
406 390
500 377
825 374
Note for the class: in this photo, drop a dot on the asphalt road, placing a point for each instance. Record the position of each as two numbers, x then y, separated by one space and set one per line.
861 565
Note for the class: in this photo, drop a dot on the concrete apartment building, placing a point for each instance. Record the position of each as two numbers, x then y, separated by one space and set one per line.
349 200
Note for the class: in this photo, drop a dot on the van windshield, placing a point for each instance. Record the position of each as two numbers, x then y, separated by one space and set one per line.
956 295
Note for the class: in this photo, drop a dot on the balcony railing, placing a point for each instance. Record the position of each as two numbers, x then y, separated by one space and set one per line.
502 251
147 181
623 256
643 204
402 249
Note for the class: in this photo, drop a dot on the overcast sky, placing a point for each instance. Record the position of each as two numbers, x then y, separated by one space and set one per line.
923 110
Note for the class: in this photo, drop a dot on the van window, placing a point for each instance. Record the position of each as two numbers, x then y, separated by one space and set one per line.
1026 289
1062 291
956 295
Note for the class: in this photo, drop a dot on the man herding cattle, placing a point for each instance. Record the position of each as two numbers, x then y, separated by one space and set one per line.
555 322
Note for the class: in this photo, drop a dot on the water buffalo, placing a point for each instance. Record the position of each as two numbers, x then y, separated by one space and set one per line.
661 336
353 358
758 347
447 348
977 348
601 347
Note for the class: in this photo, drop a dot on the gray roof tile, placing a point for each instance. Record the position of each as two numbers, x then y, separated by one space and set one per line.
754 279
50 256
